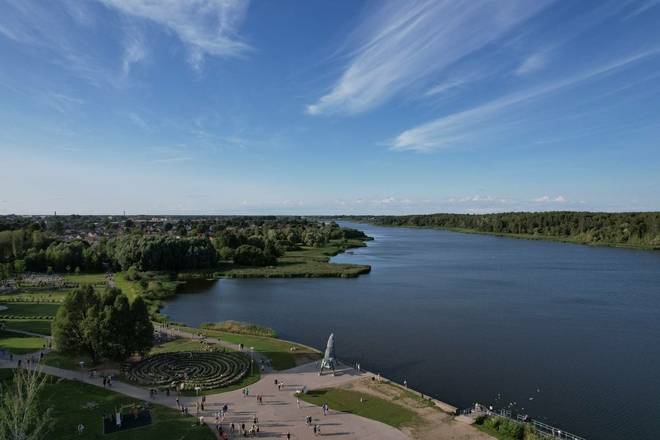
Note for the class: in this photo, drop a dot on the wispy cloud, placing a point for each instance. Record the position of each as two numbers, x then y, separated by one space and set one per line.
60 102
643 7
138 120
205 27
404 43
135 51
532 63
450 130
550 199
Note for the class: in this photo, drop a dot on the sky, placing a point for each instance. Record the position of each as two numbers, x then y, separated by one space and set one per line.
328 107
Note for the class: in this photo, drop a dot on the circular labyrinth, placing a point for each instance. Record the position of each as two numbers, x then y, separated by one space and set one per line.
206 370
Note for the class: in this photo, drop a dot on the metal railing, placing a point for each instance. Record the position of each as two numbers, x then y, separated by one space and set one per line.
542 429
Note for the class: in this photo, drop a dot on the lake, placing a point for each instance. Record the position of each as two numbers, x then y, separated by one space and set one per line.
569 334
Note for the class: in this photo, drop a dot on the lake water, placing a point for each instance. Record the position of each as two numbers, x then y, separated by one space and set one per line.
570 333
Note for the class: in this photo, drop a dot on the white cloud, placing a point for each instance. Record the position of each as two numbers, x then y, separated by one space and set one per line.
138 120
549 199
59 101
403 43
640 9
205 27
532 63
453 129
135 52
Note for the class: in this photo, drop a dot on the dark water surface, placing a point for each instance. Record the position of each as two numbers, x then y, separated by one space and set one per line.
466 318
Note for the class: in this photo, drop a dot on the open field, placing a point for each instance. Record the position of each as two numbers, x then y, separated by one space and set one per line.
36 296
86 278
34 326
27 310
19 343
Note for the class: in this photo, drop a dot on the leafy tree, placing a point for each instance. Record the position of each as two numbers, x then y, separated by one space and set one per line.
22 416
4 273
247 255
143 329
102 324
19 268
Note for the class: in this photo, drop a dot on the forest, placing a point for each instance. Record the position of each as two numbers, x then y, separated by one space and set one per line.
629 229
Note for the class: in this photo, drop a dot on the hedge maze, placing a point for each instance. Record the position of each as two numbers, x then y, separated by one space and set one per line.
206 370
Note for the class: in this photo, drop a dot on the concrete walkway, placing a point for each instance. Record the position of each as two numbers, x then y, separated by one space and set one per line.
279 413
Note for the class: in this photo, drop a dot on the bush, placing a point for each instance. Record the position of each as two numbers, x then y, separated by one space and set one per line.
247 255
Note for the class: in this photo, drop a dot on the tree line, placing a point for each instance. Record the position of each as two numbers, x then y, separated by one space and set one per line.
635 229
161 246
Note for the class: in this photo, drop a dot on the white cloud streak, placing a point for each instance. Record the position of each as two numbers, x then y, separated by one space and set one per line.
205 27
135 52
532 63
448 131
404 43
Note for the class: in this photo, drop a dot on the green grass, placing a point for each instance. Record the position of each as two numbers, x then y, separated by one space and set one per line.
277 350
18 343
307 262
24 310
505 429
66 361
41 326
86 278
371 407
243 328
129 288
176 345
41 295
75 402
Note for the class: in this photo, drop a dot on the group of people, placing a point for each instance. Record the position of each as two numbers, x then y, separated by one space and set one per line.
107 381
316 428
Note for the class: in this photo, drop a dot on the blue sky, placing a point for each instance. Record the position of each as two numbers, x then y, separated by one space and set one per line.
307 107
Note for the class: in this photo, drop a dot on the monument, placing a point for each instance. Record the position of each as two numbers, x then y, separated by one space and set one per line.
329 361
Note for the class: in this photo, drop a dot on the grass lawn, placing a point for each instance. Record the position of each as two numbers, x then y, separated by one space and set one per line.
47 296
35 326
277 350
182 344
18 343
66 361
75 403
127 287
86 278
372 407
29 310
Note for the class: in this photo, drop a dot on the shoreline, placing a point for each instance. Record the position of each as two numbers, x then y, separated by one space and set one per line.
518 236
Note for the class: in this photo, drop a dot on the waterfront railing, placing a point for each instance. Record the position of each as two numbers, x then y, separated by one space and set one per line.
542 429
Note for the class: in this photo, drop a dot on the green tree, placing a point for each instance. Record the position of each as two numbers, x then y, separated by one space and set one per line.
142 329
4 273
247 255
22 416
19 269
